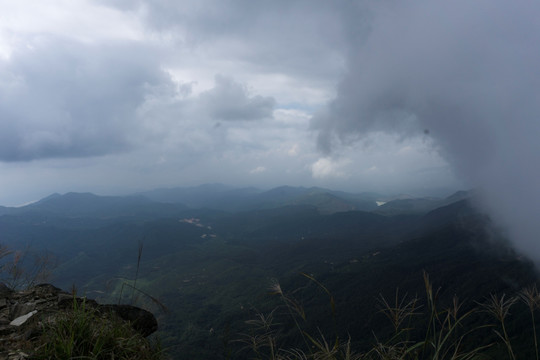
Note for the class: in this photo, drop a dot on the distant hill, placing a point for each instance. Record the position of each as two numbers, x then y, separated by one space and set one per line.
90 205
168 202
5 210
222 197
419 205
164 202
325 200
214 196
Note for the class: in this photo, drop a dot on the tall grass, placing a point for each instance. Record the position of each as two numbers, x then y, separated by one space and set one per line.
531 298
422 330
499 307
23 269
135 289
84 333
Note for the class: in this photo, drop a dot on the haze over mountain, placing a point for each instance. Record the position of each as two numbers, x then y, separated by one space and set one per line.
228 198
218 196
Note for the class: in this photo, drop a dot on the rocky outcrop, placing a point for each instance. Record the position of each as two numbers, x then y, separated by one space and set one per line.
24 313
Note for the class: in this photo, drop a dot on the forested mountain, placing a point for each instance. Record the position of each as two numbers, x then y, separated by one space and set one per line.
208 268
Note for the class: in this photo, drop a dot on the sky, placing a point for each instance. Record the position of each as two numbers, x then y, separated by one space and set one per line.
121 96
422 97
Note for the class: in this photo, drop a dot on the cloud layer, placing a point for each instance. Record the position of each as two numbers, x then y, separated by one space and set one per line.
466 73
64 99
230 101
129 95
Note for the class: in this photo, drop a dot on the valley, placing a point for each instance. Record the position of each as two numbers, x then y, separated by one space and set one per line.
206 260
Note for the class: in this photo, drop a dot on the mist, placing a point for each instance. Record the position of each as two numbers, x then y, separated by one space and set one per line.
462 75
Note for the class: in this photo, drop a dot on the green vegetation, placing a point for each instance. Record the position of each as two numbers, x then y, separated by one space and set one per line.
209 271
84 333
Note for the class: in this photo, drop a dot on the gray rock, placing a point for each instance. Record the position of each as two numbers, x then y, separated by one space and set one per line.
143 321
22 319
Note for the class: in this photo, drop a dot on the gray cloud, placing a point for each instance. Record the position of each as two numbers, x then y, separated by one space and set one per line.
467 72
65 99
198 126
303 38
229 100
145 98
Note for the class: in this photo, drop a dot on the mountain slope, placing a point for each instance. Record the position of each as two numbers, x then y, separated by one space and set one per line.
88 205
212 269
420 205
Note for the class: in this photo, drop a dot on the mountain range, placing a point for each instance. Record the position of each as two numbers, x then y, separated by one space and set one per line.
207 255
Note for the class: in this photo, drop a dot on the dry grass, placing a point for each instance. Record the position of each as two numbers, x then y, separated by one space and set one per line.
447 331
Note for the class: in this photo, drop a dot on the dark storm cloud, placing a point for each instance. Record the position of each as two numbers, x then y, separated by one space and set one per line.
229 100
66 99
466 71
